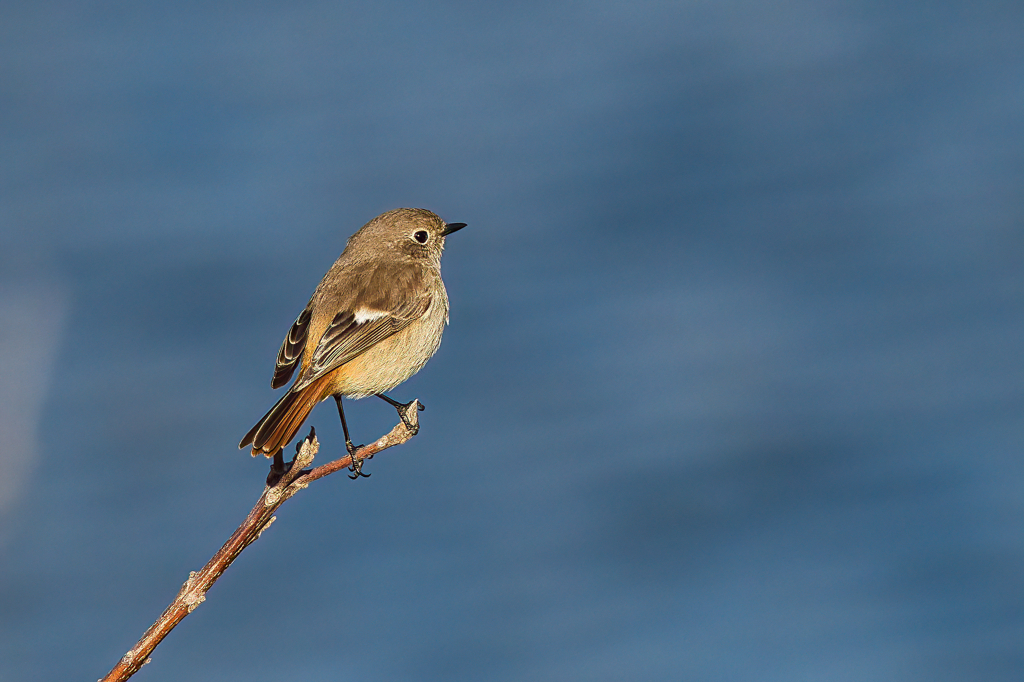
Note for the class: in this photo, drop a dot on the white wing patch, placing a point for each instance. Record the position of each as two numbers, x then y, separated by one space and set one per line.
364 315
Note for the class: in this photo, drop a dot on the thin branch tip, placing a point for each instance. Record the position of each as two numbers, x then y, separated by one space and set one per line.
296 478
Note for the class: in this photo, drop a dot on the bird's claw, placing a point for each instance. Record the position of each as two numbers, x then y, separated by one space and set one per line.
279 468
357 464
403 412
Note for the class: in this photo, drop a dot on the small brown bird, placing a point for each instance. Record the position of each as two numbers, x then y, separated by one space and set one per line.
374 320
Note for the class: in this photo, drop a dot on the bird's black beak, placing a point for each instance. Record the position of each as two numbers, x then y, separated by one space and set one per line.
452 227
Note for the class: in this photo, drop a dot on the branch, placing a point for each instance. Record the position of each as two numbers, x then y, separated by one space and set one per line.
193 592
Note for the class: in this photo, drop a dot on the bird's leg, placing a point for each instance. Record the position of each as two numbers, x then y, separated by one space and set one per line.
357 465
403 412
277 469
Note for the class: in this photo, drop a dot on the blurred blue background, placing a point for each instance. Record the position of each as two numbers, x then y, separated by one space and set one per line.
733 388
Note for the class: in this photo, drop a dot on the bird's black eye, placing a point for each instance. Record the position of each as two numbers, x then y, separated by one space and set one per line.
421 236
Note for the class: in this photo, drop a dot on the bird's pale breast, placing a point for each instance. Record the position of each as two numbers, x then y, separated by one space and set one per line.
391 361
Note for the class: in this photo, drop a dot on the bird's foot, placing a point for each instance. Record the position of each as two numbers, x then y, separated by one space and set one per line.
357 464
403 411
412 423
279 467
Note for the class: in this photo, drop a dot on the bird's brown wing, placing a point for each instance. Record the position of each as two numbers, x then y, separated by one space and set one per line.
291 350
346 337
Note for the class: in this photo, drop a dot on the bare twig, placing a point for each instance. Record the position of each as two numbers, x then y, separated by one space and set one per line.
193 592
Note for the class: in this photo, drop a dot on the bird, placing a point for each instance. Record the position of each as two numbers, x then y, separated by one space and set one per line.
374 320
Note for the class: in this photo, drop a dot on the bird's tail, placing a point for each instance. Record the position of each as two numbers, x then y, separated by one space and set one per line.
279 426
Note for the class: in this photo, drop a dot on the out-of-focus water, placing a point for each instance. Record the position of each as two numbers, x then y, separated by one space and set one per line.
733 388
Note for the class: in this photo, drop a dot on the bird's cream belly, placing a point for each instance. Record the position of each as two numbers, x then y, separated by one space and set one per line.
389 362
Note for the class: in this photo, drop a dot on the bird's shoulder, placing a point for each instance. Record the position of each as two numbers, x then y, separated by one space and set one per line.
365 287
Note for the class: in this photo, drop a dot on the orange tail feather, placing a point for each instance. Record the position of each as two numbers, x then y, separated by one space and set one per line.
279 426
